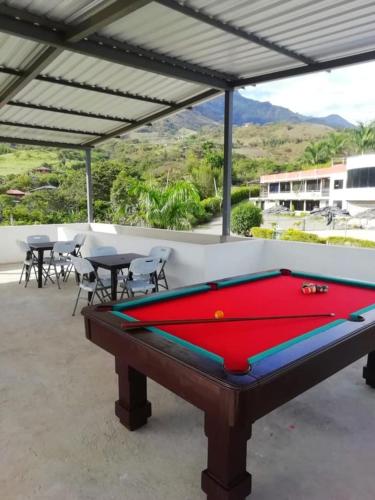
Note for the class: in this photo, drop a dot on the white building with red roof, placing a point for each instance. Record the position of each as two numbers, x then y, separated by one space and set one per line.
349 185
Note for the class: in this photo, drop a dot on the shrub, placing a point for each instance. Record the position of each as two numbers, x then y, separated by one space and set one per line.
245 217
212 205
263 232
254 190
296 235
239 194
353 242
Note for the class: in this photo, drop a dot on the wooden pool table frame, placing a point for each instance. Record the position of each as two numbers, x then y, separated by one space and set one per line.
231 402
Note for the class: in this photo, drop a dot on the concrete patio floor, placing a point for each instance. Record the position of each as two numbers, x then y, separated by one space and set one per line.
60 439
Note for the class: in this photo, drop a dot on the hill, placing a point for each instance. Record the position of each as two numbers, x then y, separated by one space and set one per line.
247 110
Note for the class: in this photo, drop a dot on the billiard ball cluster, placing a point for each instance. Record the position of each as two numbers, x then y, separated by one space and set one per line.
308 288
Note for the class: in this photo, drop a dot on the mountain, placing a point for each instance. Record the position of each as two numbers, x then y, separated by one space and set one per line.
247 110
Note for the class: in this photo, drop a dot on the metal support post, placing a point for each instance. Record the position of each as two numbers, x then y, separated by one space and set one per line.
90 211
227 178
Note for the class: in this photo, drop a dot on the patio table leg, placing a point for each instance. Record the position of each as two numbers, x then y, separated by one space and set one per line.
132 407
40 267
226 477
114 284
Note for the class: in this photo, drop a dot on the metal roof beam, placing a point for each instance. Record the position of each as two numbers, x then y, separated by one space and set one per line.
49 144
156 116
90 25
45 127
73 112
302 70
106 16
109 50
238 32
93 88
41 62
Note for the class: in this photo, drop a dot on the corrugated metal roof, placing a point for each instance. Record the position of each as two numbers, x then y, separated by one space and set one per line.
69 11
93 71
224 39
50 94
17 52
165 31
42 135
52 119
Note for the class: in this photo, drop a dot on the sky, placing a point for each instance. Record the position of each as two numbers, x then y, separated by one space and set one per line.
349 92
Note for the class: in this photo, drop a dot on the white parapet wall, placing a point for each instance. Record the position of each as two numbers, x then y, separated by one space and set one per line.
334 260
200 257
9 251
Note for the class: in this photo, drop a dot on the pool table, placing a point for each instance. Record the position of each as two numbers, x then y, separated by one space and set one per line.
236 372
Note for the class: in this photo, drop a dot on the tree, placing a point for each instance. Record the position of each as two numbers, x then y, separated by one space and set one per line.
363 137
104 174
316 152
244 217
336 143
170 208
125 199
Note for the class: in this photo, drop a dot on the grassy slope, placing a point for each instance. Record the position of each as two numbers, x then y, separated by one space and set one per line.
279 142
21 161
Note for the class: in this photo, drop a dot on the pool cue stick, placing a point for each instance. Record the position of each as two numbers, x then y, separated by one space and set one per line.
130 325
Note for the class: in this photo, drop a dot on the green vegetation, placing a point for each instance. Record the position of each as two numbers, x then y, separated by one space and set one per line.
296 235
168 181
18 161
353 242
263 232
245 216
301 236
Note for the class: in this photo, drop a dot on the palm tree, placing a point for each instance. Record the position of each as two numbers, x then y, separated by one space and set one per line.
336 143
363 137
171 207
316 152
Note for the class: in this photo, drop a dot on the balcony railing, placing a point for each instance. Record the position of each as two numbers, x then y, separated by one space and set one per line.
201 257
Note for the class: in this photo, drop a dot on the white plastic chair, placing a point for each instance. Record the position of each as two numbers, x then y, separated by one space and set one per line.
98 252
104 250
30 262
163 254
142 277
89 281
60 257
38 238
79 240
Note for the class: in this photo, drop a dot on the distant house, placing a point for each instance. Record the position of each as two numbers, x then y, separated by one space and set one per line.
42 170
349 185
16 193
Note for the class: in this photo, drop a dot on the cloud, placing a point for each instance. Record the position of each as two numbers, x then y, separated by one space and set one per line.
348 92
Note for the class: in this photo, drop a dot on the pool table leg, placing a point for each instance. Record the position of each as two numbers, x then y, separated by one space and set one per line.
132 407
226 477
369 370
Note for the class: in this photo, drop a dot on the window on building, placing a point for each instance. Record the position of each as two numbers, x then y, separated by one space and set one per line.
337 204
298 205
298 186
285 203
338 184
361 177
313 185
263 190
274 187
311 204
284 187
